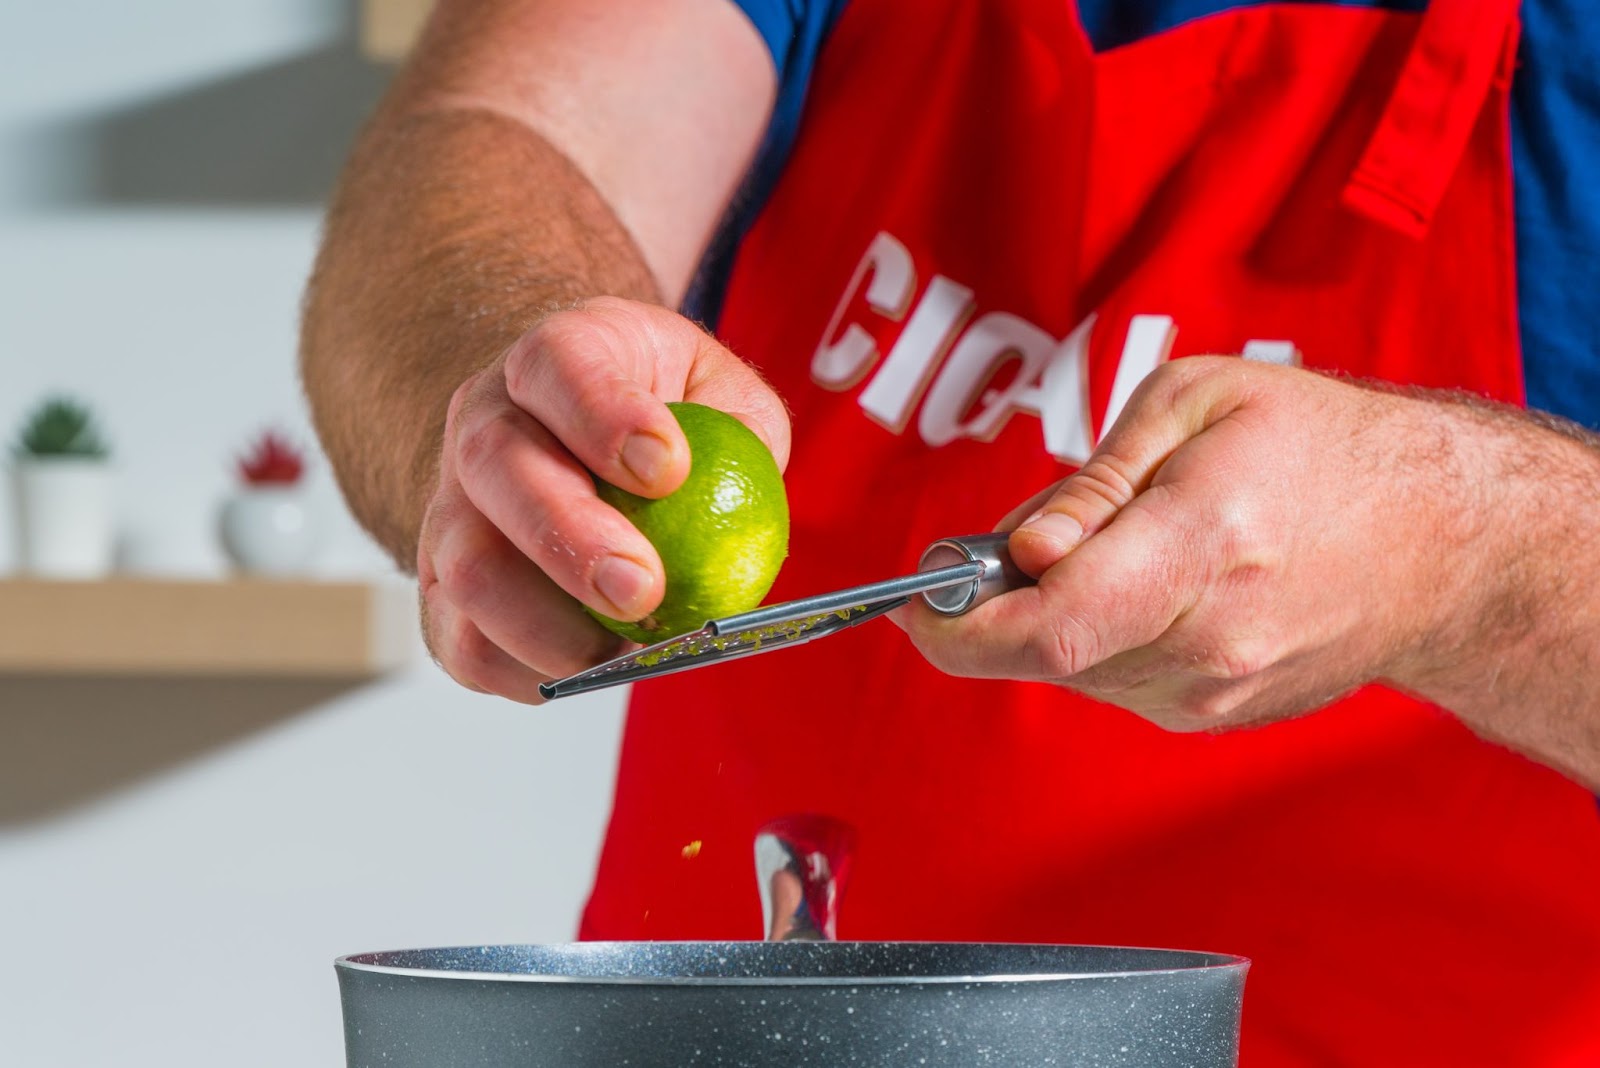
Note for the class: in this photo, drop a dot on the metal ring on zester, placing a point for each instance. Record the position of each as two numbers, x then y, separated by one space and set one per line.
999 573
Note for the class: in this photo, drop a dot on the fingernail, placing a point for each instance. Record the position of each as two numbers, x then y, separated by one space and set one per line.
646 456
1057 526
624 583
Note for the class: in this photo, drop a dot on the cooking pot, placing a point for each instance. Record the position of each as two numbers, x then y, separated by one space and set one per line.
800 1000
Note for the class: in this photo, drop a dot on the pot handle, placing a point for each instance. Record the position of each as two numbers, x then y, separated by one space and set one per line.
802 863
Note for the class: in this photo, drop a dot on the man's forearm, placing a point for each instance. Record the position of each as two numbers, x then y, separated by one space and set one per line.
1520 662
452 232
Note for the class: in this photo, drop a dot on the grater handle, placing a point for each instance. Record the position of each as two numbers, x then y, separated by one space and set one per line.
999 574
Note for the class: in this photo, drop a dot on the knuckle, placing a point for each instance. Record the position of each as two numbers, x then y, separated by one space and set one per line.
483 442
591 359
1178 382
1171 377
1061 648
473 654
471 659
463 574
1190 371
1248 540
1234 527
548 346
612 306
459 402
561 335
526 360
1208 707
1236 659
1101 481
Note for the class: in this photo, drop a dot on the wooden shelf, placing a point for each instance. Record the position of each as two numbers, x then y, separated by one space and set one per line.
239 628
390 27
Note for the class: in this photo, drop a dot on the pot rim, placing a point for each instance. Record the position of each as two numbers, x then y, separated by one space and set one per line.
1203 961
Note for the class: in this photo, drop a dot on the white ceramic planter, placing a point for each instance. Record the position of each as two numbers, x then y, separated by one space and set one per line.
64 522
269 530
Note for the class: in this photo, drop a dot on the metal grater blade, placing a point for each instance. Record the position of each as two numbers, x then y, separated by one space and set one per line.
763 630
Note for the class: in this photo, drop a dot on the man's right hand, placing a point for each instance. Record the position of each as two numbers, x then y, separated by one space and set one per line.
515 537
532 154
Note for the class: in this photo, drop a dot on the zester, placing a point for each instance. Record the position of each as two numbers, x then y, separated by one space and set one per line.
953 576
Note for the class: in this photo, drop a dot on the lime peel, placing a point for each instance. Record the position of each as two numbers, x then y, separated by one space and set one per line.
722 535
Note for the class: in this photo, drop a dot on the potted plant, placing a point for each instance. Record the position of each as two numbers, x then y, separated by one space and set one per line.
62 479
267 527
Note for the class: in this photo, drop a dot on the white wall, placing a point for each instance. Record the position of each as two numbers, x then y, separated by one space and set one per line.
180 862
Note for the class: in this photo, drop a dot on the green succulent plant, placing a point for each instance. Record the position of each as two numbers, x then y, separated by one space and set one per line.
60 426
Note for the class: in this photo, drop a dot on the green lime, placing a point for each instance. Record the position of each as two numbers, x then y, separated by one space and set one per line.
722 535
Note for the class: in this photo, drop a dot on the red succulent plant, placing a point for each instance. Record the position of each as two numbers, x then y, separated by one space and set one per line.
272 461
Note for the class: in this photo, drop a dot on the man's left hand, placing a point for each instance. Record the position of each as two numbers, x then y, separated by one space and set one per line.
1247 543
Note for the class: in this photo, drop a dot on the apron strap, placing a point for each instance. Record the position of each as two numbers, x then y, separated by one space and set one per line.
1462 48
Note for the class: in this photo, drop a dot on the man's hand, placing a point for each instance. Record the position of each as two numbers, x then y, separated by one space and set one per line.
532 155
515 536
1249 542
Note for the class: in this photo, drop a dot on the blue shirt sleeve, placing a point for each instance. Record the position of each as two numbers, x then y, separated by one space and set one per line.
1555 147
777 21
794 31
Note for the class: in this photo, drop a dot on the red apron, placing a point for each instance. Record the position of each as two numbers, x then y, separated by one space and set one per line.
985 237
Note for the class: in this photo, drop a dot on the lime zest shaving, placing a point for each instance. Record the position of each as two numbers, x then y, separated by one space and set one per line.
699 642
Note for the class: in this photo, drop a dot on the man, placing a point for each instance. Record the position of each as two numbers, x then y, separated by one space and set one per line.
964 244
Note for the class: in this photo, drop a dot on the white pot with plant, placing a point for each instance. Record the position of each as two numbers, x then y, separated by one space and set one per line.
62 481
268 528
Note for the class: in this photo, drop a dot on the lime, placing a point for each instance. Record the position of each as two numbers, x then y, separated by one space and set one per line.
722 535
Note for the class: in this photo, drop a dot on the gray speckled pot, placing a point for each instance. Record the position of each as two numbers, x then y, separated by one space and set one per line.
730 1004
